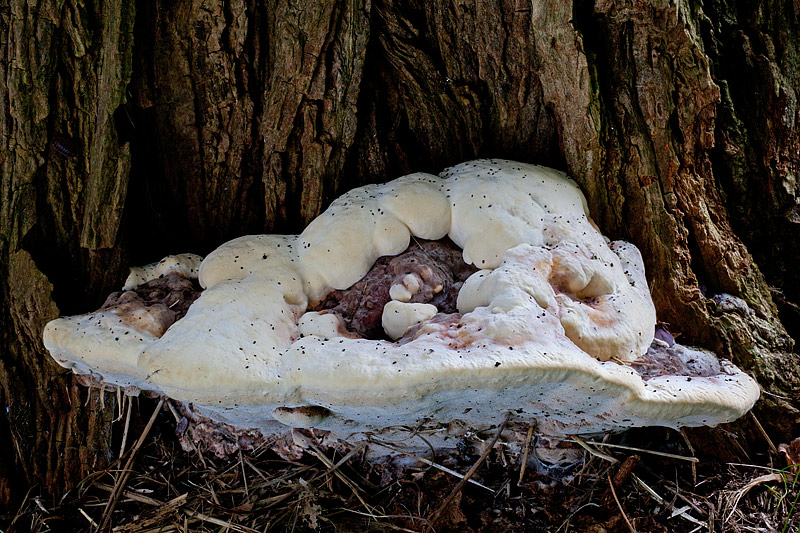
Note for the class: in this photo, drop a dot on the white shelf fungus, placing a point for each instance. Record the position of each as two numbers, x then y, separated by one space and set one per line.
546 327
186 265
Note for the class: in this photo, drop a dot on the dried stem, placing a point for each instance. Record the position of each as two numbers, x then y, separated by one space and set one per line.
435 516
123 479
621 510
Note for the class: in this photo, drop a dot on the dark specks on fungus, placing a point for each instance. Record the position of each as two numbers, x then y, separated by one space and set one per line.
354 375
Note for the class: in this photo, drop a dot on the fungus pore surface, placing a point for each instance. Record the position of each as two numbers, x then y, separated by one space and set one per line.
484 291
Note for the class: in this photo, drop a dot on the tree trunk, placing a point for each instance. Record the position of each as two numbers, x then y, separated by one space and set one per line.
129 134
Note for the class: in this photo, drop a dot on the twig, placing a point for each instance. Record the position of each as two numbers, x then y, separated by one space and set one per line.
20 510
120 405
576 511
737 495
175 414
244 475
379 516
435 516
764 434
334 468
760 467
584 444
429 463
123 479
675 512
525 455
691 449
768 393
132 495
672 485
87 517
217 522
254 469
621 510
347 456
127 425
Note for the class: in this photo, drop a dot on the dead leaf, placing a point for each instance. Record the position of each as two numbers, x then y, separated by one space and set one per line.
791 452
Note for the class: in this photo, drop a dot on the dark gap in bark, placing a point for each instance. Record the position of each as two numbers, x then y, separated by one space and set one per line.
330 184
154 222
460 113
706 286
582 21
368 159
743 166
593 28
123 122
292 165
254 69
225 36
64 267
404 150
47 244
789 315
363 160
674 121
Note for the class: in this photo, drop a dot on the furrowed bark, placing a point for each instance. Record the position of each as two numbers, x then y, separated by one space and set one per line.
245 115
64 179
660 102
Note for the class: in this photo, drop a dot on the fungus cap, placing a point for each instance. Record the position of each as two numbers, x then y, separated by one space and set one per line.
185 264
547 328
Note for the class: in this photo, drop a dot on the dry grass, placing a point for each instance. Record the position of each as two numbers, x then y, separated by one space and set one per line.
641 481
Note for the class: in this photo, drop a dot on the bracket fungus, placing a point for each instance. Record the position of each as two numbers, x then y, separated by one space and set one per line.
465 296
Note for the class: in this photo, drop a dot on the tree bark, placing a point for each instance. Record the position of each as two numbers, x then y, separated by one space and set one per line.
128 134
64 68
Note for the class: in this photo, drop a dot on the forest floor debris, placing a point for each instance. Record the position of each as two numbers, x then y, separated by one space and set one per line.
641 480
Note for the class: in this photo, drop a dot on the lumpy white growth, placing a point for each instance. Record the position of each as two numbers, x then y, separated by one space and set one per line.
544 328
340 246
325 325
187 265
398 317
406 289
